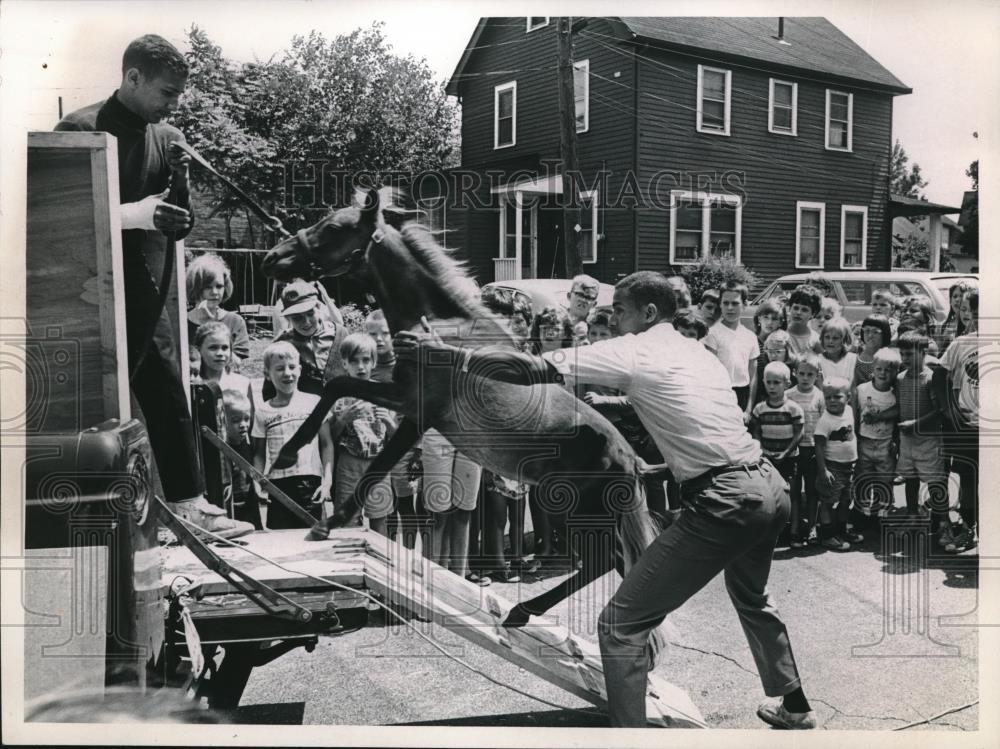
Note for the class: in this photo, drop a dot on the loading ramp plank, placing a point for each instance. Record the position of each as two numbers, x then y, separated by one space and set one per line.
362 559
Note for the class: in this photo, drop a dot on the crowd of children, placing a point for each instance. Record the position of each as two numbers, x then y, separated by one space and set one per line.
844 412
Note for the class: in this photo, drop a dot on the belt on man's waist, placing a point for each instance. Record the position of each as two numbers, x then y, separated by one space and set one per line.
711 473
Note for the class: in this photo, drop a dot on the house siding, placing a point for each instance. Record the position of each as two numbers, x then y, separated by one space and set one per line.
508 53
771 171
642 128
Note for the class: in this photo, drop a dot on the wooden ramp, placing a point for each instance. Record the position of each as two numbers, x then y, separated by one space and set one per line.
366 560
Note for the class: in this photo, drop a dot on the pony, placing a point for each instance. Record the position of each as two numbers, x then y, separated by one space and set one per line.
575 459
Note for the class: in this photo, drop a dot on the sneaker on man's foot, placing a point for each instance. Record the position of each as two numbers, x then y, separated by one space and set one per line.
946 535
962 542
835 543
203 514
773 711
852 537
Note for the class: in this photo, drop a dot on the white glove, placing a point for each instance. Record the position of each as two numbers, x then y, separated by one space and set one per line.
140 215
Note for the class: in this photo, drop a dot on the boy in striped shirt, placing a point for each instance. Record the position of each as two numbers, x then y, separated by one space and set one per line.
776 422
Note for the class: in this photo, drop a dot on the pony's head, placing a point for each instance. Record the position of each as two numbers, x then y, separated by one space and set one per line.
337 243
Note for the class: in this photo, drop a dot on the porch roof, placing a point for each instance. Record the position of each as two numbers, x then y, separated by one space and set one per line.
900 205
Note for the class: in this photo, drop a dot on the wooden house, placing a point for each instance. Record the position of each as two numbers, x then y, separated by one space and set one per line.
765 139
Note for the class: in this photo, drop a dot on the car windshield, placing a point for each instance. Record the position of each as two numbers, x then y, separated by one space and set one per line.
944 284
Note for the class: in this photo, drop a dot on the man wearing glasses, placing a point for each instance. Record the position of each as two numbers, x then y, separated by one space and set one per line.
582 298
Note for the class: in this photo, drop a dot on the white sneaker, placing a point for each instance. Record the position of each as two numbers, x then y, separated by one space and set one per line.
202 513
772 711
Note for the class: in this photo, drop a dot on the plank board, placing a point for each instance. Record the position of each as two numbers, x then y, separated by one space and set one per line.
355 556
75 377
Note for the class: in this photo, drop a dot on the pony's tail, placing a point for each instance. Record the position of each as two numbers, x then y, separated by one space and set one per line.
637 530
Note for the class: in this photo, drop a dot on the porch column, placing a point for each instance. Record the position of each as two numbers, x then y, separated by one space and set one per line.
934 241
518 231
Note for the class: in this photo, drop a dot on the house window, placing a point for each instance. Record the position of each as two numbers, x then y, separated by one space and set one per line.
537 22
853 236
505 115
839 120
704 224
581 94
589 231
783 100
713 100
508 225
810 231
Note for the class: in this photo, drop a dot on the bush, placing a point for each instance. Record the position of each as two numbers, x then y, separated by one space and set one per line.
713 272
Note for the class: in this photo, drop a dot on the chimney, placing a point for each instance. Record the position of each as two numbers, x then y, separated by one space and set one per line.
781 31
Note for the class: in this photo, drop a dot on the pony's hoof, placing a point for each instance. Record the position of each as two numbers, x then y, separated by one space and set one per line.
517 617
318 532
286 458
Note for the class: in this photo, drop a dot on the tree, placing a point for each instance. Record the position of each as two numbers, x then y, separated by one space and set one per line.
970 231
903 179
348 102
912 252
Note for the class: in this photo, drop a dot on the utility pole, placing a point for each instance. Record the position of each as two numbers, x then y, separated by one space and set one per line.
567 147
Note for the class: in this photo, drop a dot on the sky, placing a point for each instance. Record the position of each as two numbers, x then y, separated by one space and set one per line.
947 52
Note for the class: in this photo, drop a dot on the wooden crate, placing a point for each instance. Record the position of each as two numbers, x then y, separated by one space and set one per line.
75 348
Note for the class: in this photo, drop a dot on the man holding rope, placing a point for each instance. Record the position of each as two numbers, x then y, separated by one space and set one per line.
735 502
155 212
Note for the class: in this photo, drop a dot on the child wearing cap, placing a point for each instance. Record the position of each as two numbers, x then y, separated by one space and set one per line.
316 338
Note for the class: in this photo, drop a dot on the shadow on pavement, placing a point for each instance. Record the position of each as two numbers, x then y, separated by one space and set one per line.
274 713
582 718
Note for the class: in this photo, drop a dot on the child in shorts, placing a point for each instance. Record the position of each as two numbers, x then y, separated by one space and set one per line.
836 454
238 419
920 431
776 423
876 414
810 399
309 480
361 430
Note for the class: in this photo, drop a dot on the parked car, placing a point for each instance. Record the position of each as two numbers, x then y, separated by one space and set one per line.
853 289
548 292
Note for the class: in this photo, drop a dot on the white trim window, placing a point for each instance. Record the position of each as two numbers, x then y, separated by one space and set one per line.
853 237
704 224
505 115
714 87
589 227
839 121
537 22
783 107
581 94
810 234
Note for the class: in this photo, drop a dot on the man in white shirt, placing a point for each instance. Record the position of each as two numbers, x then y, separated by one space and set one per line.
736 345
735 502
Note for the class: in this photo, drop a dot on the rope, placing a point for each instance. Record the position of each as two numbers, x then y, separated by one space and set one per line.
401 619
949 711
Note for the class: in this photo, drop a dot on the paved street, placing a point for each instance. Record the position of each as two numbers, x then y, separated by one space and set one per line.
881 640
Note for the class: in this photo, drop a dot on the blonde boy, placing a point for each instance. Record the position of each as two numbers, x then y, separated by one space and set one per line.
836 454
876 413
309 481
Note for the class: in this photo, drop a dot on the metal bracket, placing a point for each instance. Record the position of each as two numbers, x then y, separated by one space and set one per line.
270 600
290 504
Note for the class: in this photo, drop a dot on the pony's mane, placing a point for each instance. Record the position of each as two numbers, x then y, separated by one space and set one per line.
451 274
